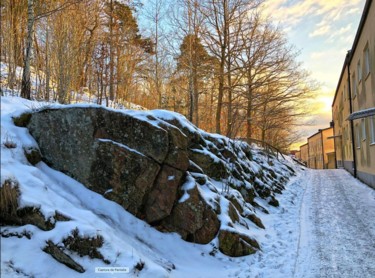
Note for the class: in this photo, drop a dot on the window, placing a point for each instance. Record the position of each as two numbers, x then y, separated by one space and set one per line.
372 130
363 127
367 61
354 86
358 139
359 71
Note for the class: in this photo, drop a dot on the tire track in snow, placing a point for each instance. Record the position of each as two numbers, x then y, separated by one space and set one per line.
306 261
341 244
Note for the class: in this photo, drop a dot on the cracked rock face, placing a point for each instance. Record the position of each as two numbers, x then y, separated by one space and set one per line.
158 168
139 165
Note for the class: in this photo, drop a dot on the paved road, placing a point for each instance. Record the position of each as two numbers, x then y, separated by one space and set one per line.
337 227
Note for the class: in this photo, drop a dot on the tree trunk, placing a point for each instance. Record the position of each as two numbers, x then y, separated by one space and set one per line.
26 83
229 115
249 107
191 97
47 70
220 100
111 62
196 99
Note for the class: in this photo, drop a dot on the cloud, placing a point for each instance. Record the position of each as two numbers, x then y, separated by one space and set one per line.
318 55
325 30
322 30
341 33
329 53
294 12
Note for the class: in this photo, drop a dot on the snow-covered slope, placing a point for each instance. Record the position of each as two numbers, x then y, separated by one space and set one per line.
127 241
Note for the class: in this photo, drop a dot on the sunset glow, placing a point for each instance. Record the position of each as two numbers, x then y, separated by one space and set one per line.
323 31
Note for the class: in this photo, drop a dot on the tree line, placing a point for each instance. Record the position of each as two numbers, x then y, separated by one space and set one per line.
221 63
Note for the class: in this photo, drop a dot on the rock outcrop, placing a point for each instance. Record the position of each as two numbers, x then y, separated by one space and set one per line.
162 169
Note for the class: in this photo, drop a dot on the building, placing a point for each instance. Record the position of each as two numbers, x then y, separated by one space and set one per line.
304 153
353 108
297 155
321 150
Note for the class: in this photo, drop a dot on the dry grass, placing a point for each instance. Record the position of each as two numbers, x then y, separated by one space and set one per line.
85 246
9 193
9 142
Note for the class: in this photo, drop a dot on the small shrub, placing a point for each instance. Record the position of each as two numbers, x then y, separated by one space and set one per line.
9 142
33 216
9 193
32 155
60 217
22 120
24 233
214 251
140 265
85 246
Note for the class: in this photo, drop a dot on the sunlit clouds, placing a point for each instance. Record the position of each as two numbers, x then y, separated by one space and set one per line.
292 12
323 31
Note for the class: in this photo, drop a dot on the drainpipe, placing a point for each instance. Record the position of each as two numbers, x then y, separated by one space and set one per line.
334 139
350 112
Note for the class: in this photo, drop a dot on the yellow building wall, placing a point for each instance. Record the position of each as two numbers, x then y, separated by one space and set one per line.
365 98
304 153
315 151
342 130
362 86
298 155
329 148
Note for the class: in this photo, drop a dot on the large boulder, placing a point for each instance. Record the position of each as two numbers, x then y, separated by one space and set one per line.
161 199
194 219
122 175
209 163
140 163
236 245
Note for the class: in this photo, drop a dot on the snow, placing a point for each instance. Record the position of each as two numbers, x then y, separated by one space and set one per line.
188 185
338 227
120 145
324 226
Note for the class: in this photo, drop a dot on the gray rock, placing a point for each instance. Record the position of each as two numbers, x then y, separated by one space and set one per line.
236 245
193 219
122 175
61 257
163 195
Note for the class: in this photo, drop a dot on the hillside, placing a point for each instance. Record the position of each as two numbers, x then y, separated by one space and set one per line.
221 194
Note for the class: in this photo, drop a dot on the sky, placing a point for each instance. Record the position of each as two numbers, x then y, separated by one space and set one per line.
323 31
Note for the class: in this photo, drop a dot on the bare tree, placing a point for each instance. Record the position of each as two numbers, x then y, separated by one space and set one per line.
274 85
223 21
31 18
26 84
193 60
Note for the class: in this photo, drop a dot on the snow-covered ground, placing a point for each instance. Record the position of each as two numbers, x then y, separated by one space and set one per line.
337 237
324 226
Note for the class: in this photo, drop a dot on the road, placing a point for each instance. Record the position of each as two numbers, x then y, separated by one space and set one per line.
337 227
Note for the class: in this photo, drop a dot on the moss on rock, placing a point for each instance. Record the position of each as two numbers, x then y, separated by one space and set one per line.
236 245
22 120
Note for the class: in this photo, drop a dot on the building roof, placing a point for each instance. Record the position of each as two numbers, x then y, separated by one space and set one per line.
319 131
366 10
346 62
349 55
316 133
362 114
